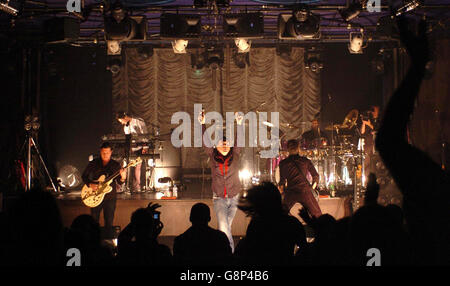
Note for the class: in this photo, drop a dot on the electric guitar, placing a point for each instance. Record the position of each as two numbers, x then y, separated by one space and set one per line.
93 198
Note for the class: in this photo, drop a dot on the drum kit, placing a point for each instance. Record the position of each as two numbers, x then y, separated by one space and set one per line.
338 156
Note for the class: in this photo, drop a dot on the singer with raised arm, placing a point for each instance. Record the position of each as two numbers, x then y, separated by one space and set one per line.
133 126
225 185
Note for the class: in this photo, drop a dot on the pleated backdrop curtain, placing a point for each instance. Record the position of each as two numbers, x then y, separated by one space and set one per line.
155 88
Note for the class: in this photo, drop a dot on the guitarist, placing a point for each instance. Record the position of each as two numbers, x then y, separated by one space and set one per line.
294 183
104 166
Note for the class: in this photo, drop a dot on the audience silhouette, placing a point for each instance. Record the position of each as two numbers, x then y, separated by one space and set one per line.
84 234
137 242
34 230
423 183
272 234
201 244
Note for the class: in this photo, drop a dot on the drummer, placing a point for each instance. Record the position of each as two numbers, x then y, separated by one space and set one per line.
314 138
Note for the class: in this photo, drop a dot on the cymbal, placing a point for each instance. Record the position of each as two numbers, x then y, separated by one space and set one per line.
333 127
289 125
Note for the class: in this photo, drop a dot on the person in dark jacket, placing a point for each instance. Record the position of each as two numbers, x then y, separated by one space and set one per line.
104 166
293 179
225 185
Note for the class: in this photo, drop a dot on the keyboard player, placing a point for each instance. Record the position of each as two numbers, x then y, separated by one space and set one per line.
133 126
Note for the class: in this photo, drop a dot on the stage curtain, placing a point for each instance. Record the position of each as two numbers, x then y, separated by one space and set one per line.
155 88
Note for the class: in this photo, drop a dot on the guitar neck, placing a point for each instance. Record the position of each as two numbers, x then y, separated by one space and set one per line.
113 176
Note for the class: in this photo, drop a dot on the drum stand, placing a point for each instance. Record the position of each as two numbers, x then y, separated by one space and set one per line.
29 141
359 184
149 171
333 160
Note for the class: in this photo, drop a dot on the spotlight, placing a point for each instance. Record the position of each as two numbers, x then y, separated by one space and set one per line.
247 25
351 12
166 180
113 48
175 26
32 123
407 6
69 177
301 14
4 6
314 65
356 43
245 175
313 61
243 45
300 25
179 46
119 26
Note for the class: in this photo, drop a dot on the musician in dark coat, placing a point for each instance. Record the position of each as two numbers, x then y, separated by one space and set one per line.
293 180
104 166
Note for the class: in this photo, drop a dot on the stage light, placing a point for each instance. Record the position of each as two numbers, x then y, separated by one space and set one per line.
69 177
300 25
243 25
32 123
114 48
120 27
313 61
314 65
5 7
245 175
243 45
176 26
179 46
166 180
407 6
356 43
351 12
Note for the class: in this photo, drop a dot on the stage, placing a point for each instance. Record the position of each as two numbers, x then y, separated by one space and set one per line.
174 213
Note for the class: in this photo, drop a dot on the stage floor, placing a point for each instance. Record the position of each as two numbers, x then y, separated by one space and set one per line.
174 213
